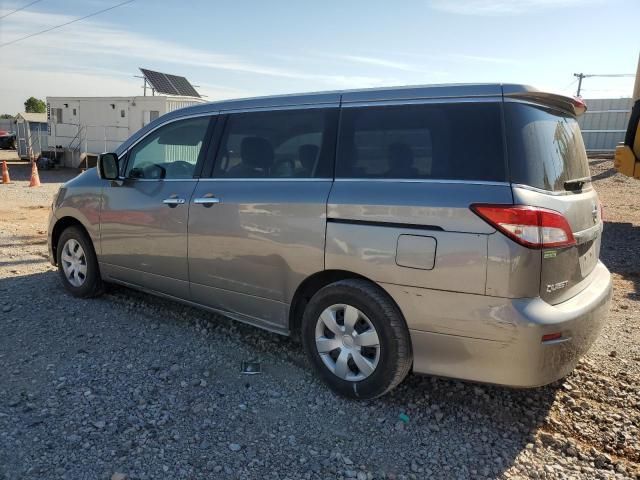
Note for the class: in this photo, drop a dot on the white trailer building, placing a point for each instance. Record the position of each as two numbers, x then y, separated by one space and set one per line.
80 128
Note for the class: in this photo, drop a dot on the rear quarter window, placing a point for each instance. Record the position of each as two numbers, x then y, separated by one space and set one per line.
459 141
545 147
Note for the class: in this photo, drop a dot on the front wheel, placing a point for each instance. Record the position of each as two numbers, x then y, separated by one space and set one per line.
77 264
356 339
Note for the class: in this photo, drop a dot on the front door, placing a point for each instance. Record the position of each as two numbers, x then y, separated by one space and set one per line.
257 226
143 221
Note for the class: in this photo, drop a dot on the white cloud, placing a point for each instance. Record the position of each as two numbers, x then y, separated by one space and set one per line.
18 84
378 62
84 57
485 59
503 7
440 58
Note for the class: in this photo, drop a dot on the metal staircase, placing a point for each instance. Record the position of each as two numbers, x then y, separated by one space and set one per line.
75 147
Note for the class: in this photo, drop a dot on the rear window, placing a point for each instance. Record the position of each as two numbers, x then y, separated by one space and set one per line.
460 141
545 147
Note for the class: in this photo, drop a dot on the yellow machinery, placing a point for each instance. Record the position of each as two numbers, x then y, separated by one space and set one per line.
627 159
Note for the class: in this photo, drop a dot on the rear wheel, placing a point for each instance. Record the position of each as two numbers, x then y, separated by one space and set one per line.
77 264
356 339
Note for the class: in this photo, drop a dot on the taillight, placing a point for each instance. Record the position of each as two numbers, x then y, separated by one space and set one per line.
533 227
579 105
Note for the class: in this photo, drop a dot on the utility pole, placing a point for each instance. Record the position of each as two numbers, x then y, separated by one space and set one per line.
580 76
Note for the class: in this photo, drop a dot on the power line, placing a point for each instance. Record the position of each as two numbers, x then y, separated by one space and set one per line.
18 9
569 84
582 76
64 24
609 75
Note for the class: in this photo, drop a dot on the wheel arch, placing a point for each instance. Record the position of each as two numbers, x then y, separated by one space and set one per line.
312 284
60 226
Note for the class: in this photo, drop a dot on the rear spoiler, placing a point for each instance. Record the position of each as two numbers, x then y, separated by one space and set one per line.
573 105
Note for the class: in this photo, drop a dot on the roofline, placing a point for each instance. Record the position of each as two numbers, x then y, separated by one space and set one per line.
373 90
400 93
22 115
337 98
136 97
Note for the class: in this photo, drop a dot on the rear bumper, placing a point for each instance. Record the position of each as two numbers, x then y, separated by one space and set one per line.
516 355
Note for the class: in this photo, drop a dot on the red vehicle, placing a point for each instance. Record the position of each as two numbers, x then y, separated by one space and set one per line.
7 140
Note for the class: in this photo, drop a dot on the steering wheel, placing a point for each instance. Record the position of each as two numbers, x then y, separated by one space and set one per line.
181 169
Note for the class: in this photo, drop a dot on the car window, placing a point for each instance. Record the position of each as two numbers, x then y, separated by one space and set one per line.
460 141
170 152
545 147
278 144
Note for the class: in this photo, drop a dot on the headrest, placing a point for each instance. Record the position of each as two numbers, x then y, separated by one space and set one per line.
256 152
308 151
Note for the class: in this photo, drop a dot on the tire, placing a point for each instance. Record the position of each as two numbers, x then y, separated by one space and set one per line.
86 282
386 364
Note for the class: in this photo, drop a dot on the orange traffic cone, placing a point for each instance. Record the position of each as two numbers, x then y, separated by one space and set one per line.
35 178
5 173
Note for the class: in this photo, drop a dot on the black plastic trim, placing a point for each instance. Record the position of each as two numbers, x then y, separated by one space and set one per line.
374 223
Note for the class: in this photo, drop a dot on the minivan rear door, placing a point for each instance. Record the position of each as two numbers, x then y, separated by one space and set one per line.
406 175
549 169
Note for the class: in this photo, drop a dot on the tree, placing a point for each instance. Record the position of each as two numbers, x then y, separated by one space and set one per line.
6 116
35 105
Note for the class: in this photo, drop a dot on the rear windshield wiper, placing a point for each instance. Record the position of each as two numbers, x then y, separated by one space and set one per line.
576 184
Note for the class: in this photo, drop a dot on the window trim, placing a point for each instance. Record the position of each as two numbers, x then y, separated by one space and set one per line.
214 146
426 180
274 179
219 119
556 193
422 101
206 143
499 101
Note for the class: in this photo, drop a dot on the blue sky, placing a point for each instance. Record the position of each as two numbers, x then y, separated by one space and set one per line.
247 48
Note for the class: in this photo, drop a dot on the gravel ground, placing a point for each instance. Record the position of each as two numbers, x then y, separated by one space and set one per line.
131 386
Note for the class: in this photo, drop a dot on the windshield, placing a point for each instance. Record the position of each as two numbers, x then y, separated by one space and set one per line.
545 147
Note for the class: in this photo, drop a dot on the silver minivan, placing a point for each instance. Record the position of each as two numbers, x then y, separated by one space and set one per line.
449 230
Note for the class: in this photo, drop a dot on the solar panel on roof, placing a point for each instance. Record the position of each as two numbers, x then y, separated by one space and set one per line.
182 85
169 84
159 82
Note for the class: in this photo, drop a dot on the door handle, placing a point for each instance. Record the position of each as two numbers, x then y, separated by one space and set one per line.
173 202
206 201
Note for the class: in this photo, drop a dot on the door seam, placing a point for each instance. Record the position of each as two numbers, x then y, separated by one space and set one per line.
188 224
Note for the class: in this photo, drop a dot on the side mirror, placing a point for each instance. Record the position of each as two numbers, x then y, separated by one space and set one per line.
108 167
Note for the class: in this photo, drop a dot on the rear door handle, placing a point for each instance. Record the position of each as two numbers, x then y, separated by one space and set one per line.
206 201
173 202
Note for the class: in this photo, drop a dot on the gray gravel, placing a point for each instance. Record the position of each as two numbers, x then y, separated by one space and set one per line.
131 386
